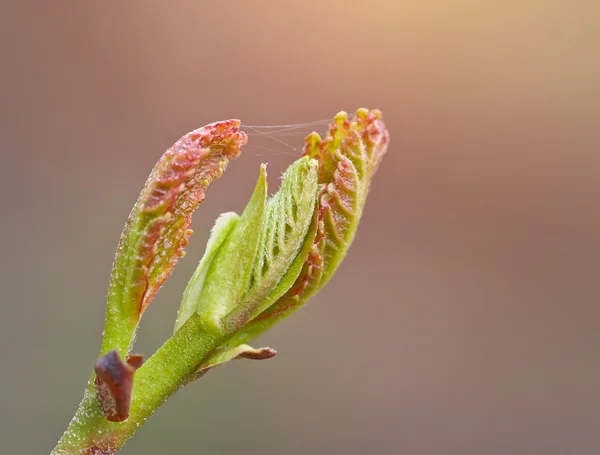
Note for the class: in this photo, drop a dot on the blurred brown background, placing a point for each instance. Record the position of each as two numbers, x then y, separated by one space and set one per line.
466 318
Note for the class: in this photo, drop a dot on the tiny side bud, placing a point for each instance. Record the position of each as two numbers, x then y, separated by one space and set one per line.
113 383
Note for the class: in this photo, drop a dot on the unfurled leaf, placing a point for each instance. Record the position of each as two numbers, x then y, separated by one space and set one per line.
158 227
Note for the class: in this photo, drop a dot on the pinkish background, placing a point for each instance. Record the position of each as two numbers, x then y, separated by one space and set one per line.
466 318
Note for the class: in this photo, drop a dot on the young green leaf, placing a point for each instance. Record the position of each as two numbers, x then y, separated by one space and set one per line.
229 273
287 222
285 242
158 227
286 236
191 296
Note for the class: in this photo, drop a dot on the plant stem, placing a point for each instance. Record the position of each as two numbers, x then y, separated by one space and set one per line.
89 433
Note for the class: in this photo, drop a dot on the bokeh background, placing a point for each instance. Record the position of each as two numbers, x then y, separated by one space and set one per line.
465 319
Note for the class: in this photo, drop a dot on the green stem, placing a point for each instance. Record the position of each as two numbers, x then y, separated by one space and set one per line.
89 433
